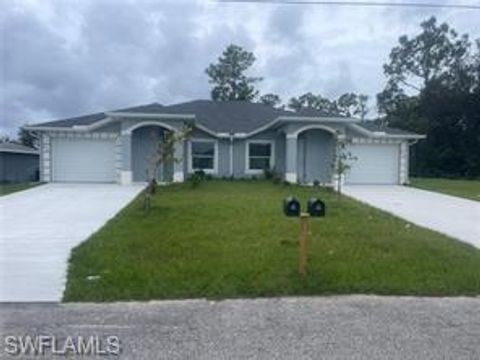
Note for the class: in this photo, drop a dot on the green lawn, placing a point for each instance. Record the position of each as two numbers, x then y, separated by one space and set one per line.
231 239
6 189
469 189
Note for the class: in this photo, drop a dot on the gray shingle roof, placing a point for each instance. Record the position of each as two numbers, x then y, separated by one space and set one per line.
220 117
14 147
93 118
79 120
227 116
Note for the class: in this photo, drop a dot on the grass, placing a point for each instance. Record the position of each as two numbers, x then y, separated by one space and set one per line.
469 189
231 239
6 189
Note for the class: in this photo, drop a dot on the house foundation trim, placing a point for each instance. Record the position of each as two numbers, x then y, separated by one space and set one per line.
125 177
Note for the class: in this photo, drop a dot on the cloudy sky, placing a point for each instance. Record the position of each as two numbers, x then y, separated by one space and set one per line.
65 58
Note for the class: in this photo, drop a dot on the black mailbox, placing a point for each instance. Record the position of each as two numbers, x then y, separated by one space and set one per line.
316 207
291 206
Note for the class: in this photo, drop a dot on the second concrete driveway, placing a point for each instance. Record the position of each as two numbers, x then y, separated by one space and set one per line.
40 226
450 215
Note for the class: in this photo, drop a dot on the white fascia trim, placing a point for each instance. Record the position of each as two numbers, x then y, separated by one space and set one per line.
247 155
30 152
213 171
207 130
312 127
94 125
297 119
129 130
377 134
48 128
151 116
78 128
319 119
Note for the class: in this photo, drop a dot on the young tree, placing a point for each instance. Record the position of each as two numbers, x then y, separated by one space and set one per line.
164 152
229 78
347 104
270 99
343 162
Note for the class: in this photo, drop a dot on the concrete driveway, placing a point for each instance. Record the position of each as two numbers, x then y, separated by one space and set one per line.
40 226
450 215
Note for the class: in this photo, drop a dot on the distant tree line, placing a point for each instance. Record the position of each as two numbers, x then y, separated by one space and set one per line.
433 88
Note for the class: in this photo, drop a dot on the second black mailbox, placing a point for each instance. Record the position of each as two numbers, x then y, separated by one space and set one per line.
316 207
291 206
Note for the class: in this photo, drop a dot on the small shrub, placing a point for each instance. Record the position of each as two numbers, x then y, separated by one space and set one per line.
268 174
253 178
277 179
200 174
196 178
316 183
286 183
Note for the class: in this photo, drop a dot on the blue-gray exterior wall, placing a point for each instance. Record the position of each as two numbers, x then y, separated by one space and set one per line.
319 149
16 167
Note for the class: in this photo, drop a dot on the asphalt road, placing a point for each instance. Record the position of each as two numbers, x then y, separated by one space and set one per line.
359 327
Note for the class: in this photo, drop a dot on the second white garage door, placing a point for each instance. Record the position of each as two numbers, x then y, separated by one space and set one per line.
83 160
375 164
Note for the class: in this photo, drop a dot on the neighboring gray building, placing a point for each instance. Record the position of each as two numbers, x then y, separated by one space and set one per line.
236 139
18 163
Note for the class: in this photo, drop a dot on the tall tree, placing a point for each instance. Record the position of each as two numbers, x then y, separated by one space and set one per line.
270 99
351 104
417 61
26 138
432 82
362 107
228 75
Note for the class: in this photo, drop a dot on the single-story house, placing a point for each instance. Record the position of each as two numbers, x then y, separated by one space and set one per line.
228 139
18 163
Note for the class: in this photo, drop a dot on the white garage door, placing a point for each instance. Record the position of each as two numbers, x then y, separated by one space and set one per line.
83 160
375 164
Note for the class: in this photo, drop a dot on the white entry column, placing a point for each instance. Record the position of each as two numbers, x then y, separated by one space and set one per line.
291 158
126 152
178 166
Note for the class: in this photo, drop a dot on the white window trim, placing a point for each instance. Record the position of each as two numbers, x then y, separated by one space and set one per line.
215 155
247 155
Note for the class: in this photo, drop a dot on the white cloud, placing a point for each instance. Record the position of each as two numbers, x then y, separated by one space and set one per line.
65 58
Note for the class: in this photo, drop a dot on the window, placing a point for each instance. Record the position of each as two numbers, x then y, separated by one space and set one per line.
203 154
259 156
